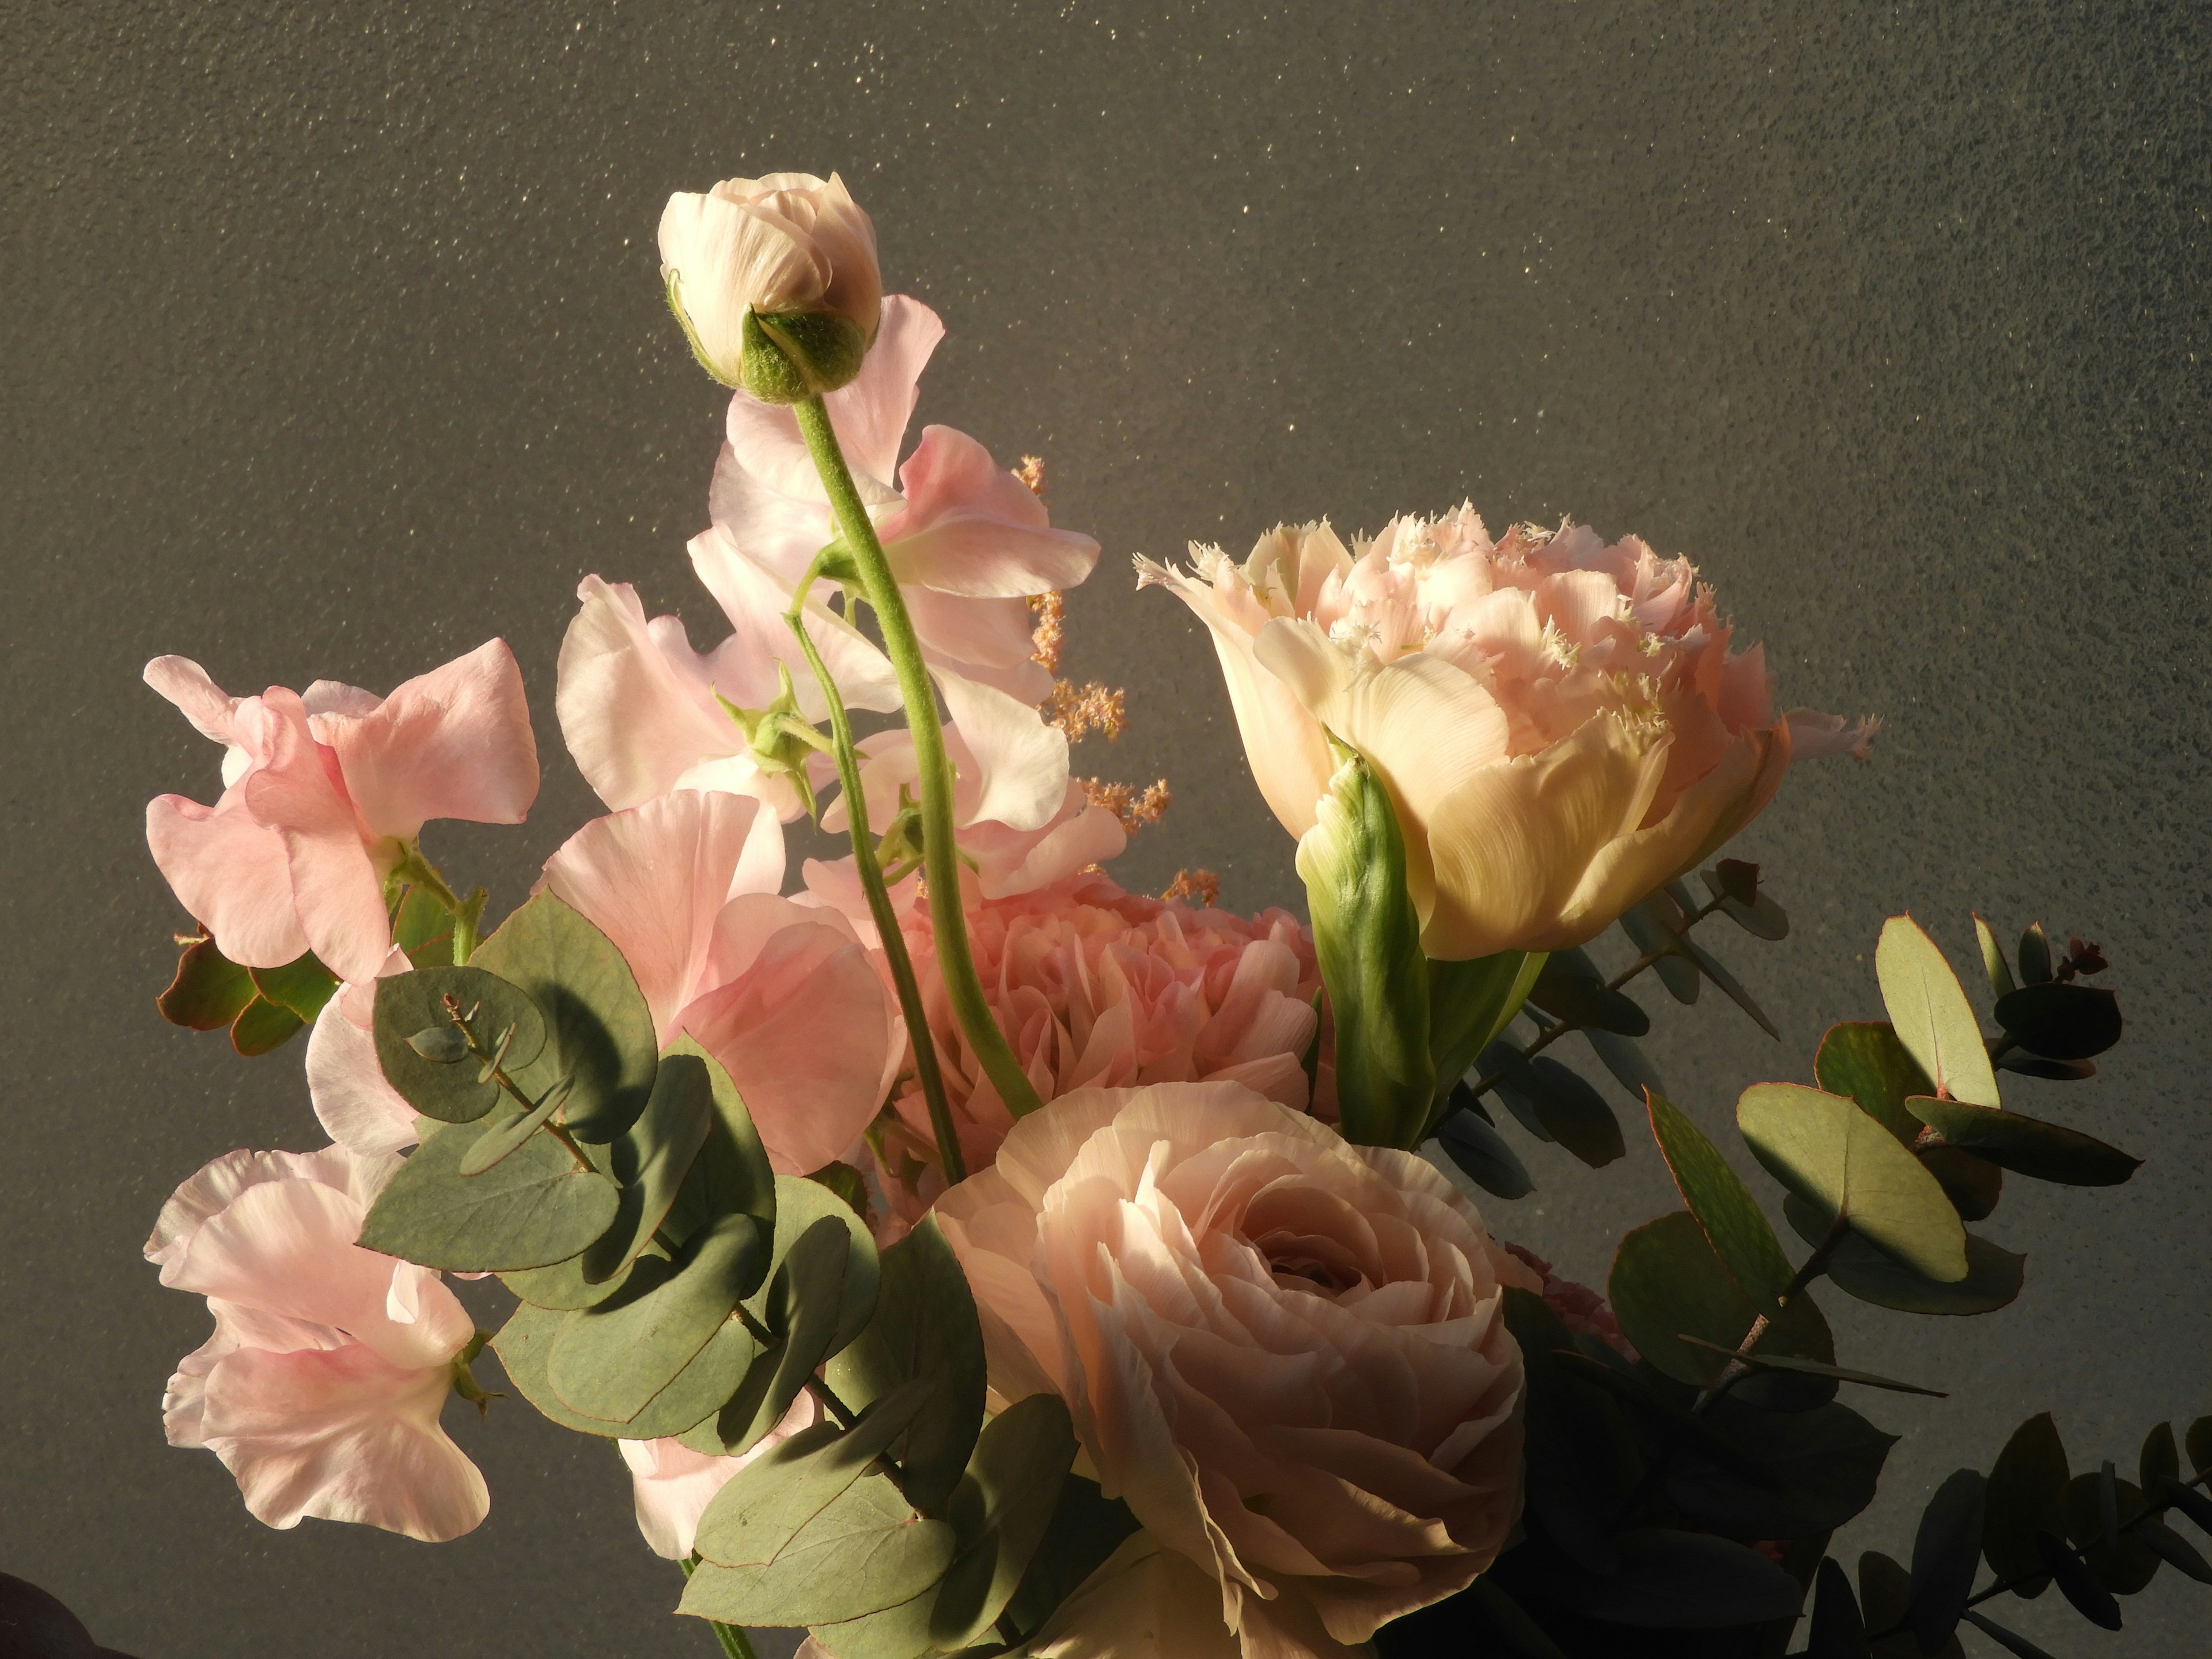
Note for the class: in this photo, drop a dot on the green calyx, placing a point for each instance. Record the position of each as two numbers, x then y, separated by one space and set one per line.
780 738
790 358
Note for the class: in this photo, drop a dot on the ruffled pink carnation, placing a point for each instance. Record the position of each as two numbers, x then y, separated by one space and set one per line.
1098 988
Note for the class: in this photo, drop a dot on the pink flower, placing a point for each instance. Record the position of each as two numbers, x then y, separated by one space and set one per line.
321 1387
1288 1354
643 714
1580 1309
1096 987
780 993
1560 723
326 794
967 539
674 1484
356 1107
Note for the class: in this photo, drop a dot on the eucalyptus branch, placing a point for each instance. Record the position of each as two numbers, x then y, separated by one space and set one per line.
2149 1512
1550 1034
495 1071
1815 1265
955 963
879 906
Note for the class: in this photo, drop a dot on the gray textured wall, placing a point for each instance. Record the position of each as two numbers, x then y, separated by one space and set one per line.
331 344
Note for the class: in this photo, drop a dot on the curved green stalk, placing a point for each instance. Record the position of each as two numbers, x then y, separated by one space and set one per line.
940 856
880 908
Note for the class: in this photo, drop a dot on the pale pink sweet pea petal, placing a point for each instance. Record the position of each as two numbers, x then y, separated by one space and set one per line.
637 714
655 878
210 709
673 1484
973 529
342 1435
454 743
231 872
336 875
321 1386
803 1033
1019 775
356 1107
755 600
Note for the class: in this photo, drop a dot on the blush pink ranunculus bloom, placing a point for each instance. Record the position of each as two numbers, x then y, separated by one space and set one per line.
672 1484
325 791
780 993
321 1387
1561 723
1287 1353
1098 988
967 539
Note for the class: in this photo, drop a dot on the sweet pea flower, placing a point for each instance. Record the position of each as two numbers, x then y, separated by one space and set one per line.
1560 723
673 1484
967 539
780 993
357 1106
1098 988
321 1387
1286 1353
643 714
326 792
783 246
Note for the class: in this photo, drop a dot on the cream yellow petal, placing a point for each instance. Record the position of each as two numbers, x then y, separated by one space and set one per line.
1512 845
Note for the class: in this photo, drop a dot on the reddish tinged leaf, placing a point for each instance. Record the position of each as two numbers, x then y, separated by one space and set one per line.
210 990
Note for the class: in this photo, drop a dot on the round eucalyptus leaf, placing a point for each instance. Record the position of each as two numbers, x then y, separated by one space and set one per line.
2061 1021
1933 1018
410 1004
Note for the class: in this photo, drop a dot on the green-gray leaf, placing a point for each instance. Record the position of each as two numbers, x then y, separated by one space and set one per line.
1864 1060
1776 1362
507 1130
925 1325
1993 1274
2027 1495
611 1359
766 1504
1738 1230
867 1550
532 1209
731 1171
2027 1145
1666 1280
407 1005
526 1341
651 1159
600 1031
1932 1018
1828 1152
1001 1511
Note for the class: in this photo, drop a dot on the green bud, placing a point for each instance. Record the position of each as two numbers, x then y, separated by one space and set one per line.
798 356
1367 937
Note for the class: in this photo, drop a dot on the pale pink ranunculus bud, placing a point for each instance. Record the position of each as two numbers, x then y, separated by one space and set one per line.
1561 723
1287 1353
673 1484
780 993
788 245
1096 987
321 1387
326 791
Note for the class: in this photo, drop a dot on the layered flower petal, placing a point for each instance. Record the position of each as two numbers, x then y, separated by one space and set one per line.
454 743
1287 1354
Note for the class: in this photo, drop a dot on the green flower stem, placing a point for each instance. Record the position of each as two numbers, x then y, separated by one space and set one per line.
735 1643
879 907
940 856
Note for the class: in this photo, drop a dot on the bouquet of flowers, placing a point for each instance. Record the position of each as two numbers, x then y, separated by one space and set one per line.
967 1255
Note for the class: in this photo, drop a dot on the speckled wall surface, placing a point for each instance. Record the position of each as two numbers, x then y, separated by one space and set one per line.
330 343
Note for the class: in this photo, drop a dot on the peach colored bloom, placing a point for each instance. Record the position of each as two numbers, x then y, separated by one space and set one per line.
1098 988
325 790
782 994
321 1387
673 1484
1287 1353
1561 723
781 245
